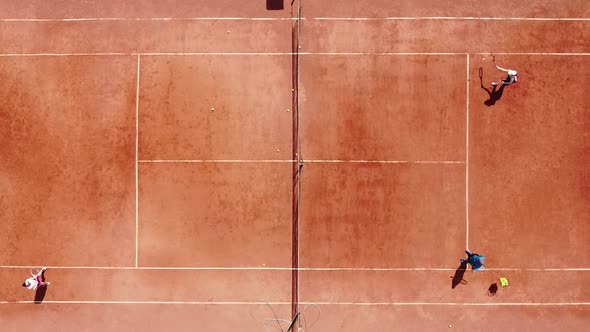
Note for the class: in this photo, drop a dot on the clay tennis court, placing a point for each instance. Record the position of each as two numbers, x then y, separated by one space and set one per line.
226 166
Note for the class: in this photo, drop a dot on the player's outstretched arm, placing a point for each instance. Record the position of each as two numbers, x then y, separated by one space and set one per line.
502 69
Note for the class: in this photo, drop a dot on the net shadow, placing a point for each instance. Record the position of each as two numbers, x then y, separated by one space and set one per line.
296 154
275 5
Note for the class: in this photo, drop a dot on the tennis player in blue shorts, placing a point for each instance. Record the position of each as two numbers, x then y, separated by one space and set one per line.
475 260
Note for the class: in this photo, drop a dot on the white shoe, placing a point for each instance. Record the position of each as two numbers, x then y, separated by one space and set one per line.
47 283
494 83
43 269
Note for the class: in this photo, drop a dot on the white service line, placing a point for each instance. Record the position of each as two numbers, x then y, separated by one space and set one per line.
536 53
305 161
452 303
156 268
144 19
153 302
394 269
66 54
387 161
137 162
449 18
446 53
467 156
147 54
217 53
171 161
379 53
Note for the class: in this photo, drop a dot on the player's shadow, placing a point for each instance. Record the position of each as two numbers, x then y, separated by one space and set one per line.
458 277
275 5
493 289
40 293
495 94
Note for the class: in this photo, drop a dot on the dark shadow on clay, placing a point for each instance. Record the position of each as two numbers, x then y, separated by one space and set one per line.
493 289
458 277
495 94
40 293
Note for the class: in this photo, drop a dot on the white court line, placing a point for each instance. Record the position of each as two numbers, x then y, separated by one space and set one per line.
261 268
353 53
318 303
537 53
144 19
171 161
449 18
147 54
380 53
451 303
446 53
283 54
305 161
387 161
217 53
467 157
389 18
65 54
153 302
393 269
157 268
137 163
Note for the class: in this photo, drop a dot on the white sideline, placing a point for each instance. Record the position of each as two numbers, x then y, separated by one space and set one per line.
137 163
278 268
387 18
318 303
284 54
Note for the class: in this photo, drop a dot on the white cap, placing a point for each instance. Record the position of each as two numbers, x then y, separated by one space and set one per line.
512 72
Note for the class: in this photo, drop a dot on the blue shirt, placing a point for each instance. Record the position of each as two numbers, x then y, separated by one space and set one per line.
476 261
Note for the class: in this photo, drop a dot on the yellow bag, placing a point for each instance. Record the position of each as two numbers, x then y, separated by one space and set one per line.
503 282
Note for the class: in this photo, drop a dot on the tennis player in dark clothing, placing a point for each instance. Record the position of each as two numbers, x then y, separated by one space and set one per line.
475 260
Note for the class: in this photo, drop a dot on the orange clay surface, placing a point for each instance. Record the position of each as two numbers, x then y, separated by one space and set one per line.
146 158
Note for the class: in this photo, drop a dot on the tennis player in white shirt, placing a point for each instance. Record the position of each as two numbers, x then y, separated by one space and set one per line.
510 79
36 280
